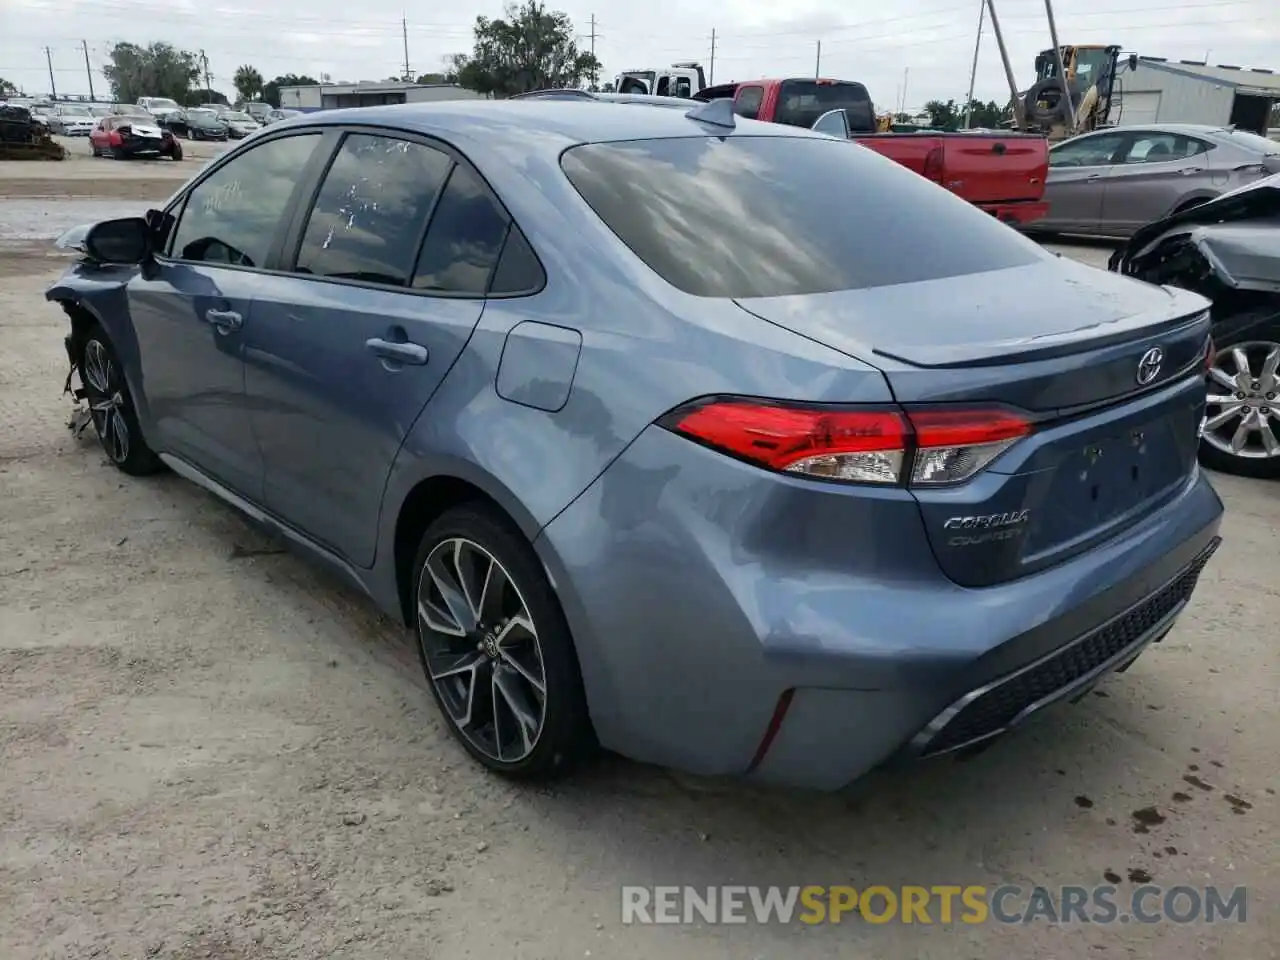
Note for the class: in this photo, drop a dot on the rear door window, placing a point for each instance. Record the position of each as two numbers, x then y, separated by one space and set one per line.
372 209
766 216
464 240
1161 148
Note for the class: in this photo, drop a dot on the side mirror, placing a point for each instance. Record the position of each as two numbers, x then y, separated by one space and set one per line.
834 123
1271 163
126 241
1133 61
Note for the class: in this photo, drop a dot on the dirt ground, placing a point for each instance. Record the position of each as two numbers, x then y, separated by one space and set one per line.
209 749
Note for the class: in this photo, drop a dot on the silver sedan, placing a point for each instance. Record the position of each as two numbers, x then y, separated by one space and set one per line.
1111 182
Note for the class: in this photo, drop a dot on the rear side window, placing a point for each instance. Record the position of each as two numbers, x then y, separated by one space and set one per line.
464 240
775 216
372 210
802 102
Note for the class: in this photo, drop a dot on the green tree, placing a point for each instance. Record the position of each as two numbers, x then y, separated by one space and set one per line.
248 82
205 95
989 114
156 70
7 89
271 89
532 49
944 116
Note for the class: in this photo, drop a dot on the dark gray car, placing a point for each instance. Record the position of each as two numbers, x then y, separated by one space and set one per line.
1111 182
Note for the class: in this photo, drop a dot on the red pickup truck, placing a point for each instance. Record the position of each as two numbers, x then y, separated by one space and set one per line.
1002 173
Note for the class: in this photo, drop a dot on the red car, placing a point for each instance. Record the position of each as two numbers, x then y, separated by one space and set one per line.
122 137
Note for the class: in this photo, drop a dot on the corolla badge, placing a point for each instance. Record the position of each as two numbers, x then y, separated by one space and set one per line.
1149 366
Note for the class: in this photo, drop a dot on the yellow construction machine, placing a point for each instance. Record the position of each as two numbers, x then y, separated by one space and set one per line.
1084 101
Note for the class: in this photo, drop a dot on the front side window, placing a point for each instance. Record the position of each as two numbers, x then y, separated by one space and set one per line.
372 209
231 216
745 216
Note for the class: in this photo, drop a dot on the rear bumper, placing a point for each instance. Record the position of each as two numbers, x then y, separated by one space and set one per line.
1018 213
729 621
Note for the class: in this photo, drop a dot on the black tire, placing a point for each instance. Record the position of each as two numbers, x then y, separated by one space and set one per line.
117 153
1259 325
176 152
115 418
565 738
94 150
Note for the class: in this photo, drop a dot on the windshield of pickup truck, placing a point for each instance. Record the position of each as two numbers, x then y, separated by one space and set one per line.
802 102
765 216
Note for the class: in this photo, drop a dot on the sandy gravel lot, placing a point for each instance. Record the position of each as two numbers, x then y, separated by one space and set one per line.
210 749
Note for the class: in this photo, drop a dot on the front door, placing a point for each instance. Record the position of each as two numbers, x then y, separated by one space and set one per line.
345 352
1153 174
1078 171
193 307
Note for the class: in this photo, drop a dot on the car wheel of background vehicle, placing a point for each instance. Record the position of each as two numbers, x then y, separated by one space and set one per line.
117 153
496 648
176 152
94 150
111 407
1241 428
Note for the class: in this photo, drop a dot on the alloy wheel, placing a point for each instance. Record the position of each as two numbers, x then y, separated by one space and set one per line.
1242 412
481 649
106 399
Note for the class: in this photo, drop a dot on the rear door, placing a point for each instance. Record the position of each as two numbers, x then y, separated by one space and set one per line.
1153 173
388 281
1078 171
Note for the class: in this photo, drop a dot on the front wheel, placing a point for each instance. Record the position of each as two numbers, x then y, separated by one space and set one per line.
176 152
496 648
111 406
1241 427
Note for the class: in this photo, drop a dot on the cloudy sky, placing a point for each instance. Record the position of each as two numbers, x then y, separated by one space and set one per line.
927 42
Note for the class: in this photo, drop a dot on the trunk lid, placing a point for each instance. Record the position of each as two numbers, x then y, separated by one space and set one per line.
991 168
1061 342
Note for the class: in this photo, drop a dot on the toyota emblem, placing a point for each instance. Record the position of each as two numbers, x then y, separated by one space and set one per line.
1149 366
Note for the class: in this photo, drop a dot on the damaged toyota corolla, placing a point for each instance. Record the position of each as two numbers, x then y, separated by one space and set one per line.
1229 251
725 445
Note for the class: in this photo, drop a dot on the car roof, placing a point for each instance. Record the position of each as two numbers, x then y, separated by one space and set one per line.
535 123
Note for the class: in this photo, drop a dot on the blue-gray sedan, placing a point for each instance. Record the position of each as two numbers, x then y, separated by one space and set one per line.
725 445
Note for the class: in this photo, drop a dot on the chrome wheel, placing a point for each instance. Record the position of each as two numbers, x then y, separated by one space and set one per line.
481 649
1241 415
106 399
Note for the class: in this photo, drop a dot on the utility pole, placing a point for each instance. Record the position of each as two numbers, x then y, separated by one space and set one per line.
973 73
404 33
595 79
1068 108
88 69
817 63
711 76
204 62
48 58
906 75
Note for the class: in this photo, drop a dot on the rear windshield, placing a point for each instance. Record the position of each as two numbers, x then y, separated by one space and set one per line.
1252 141
802 102
746 216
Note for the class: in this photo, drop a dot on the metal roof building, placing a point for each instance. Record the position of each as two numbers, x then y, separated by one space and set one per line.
332 96
1186 91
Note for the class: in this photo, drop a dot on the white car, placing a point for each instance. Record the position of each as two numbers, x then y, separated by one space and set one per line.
72 120
159 107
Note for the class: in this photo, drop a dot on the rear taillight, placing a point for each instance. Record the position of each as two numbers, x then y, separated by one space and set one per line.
874 445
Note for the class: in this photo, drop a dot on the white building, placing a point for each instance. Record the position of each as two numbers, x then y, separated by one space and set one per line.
1164 91
366 93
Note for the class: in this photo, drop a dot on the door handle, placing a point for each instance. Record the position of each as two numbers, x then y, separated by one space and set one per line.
1094 176
1190 170
224 321
411 353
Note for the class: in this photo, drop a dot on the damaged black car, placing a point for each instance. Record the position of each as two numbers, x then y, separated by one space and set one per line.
1229 251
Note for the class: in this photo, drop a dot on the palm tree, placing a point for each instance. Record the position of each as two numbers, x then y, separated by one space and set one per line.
248 82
